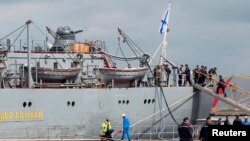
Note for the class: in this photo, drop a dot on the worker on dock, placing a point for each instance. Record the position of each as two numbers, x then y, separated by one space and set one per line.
106 130
204 130
125 129
219 121
246 122
226 122
184 130
237 120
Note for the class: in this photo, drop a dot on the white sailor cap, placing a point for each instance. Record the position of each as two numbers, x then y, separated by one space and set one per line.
123 115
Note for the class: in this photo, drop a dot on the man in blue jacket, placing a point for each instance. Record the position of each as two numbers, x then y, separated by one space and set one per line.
125 130
246 122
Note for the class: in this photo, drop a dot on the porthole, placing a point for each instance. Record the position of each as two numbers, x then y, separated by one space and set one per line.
119 102
123 102
145 101
68 103
24 104
73 104
149 101
153 100
29 104
127 102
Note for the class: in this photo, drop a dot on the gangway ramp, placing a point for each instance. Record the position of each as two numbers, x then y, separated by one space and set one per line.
222 98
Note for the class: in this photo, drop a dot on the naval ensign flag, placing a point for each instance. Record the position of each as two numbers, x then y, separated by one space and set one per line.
164 21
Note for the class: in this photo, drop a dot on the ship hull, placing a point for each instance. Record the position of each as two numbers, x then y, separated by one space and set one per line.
65 113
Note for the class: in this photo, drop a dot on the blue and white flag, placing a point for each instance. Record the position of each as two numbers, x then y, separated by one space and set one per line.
164 21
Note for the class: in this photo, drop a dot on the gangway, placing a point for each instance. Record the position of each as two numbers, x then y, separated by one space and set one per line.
222 98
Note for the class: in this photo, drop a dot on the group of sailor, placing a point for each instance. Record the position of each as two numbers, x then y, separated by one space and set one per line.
161 75
202 76
186 129
238 121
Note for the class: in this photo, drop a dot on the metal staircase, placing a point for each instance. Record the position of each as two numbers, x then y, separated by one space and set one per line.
222 98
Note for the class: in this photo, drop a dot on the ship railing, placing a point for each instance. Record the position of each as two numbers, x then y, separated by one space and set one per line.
74 133
168 82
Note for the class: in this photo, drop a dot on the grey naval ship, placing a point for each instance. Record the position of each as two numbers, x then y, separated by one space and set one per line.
68 88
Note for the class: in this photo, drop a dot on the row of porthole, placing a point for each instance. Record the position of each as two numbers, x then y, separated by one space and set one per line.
71 103
29 104
148 101
123 102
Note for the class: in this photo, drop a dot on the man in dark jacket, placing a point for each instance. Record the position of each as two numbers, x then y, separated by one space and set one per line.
226 122
237 121
221 85
204 130
196 74
184 130
168 71
188 76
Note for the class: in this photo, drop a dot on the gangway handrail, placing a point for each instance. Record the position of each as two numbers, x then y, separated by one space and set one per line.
238 89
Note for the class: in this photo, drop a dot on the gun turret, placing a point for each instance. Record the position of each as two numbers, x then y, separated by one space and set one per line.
75 32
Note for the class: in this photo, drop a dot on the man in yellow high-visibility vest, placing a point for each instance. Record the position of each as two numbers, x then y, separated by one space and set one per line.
107 129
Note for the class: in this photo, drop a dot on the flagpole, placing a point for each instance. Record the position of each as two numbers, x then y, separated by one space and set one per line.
164 42
163 28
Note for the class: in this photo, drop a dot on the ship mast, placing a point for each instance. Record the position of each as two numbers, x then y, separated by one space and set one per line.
164 42
29 55
163 28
